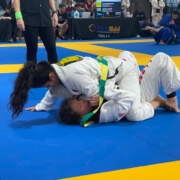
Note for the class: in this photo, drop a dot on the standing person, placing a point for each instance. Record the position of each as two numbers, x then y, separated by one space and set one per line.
33 17
10 13
157 10
125 4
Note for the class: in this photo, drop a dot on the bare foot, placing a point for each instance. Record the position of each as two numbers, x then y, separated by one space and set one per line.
162 43
158 102
161 100
172 104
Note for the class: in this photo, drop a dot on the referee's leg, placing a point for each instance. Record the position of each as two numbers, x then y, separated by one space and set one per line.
47 36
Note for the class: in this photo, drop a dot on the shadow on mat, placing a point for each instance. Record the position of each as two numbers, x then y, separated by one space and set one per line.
53 118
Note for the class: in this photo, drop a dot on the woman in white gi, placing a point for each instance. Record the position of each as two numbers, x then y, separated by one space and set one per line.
157 10
82 78
126 99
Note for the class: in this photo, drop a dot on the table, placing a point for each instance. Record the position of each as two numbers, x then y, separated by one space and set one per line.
102 28
5 29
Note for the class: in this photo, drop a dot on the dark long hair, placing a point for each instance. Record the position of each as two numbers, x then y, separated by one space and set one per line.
67 115
30 76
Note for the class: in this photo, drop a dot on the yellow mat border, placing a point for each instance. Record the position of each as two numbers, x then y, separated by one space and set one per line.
162 171
90 47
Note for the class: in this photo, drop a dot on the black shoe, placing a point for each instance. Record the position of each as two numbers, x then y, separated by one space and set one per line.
10 40
14 39
63 38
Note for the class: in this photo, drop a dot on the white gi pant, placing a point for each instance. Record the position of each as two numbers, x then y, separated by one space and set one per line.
160 70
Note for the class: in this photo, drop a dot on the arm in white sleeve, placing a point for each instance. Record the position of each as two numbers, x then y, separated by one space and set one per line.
51 97
118 104
85 84
47 102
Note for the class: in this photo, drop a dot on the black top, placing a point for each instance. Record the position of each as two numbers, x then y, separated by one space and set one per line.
11 14
140 15
62 17
36 12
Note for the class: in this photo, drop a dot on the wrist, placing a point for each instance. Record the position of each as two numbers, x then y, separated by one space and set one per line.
18 15
54 12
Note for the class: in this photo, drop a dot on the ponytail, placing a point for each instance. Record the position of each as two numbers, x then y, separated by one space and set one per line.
31 75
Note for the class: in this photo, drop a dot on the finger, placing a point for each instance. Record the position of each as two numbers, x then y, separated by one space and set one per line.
23 28
27 109
30 109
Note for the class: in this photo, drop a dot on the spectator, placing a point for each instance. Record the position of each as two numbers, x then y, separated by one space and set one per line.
62 26
140 15
125 4
78 8
82 3
90 5
11 14
33 18
145 28
157 10
70 6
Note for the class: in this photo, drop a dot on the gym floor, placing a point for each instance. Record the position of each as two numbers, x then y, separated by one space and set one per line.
35 146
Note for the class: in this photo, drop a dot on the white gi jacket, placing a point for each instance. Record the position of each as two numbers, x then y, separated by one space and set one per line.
77 78
83 78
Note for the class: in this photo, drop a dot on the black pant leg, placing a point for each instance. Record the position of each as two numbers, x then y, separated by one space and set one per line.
31 39
14 30
47 36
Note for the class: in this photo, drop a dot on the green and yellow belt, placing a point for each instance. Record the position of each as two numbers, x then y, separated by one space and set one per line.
104 73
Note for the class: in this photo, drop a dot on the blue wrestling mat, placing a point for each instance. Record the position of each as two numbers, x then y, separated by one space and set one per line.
35 146
150 48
